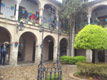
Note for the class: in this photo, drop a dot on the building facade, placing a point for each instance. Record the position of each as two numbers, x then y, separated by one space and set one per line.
25 43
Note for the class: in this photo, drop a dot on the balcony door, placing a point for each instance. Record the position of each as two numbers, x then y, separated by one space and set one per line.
23 14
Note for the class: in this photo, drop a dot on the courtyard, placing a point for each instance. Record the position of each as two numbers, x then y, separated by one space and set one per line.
53 40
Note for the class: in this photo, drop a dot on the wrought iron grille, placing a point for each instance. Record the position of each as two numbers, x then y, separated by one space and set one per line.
50 73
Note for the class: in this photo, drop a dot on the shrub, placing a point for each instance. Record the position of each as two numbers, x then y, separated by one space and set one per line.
92 69
65 59
80 58
72 60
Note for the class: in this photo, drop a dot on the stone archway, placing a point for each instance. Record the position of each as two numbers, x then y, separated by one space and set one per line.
26 52
63 47
5 36
99 15
48 48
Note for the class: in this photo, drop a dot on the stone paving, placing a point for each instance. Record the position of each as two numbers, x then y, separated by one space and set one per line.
29 72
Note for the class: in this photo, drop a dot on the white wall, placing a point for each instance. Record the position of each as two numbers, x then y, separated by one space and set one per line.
7 12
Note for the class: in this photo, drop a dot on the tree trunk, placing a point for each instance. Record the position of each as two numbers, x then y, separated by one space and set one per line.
70 39
93 56
73 37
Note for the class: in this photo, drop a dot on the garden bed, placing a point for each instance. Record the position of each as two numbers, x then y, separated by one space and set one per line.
91 71
89 77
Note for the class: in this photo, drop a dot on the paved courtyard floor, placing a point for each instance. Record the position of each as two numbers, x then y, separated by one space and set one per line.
29 72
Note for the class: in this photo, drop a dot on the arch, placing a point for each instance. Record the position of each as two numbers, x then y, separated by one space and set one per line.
49 15
90 10
53 4
5 35
63 47
26 51
27 12
48 48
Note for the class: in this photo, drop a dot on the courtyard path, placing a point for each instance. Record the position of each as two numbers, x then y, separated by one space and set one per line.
29 72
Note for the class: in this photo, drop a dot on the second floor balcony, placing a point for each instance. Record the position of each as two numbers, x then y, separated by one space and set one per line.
29 12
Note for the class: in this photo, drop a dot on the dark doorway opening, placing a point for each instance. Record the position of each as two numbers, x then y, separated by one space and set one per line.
101 56
63 47
33 57
5 36
51 44
26 52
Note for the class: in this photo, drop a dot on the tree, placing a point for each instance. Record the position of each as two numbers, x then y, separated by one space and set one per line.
69 13
92 37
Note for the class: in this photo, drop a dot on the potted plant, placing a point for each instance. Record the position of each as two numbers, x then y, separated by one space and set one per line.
16 44
12 7
30 13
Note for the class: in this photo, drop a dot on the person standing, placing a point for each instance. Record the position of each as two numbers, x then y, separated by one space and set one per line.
4 47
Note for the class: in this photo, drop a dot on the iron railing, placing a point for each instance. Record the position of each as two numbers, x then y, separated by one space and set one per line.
50 73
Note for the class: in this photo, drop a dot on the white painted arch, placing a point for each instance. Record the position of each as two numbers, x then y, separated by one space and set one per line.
90 9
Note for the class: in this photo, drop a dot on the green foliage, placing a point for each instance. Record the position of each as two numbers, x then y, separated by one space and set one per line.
91 37
92 69
52 77
80 58
65 59
70 7
73 10
72 60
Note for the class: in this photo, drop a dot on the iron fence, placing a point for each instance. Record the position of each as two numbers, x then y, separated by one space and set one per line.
50 73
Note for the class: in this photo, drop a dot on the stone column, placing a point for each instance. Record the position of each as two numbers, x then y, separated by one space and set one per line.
89 18
17 8
38 54
89 52
13 54
55 54
89 55
41 15
68 53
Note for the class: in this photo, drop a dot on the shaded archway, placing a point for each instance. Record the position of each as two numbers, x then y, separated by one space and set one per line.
101 56
5 36
26 52
49 16
63 47
48 47
99 15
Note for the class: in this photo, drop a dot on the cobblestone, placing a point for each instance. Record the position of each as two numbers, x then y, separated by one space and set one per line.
29 72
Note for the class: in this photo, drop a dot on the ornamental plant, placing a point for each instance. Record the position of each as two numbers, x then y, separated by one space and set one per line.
92 37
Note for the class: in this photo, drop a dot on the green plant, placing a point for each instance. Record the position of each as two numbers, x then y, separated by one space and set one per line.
92 37
80 58
92 69
65 59
72 60
53 77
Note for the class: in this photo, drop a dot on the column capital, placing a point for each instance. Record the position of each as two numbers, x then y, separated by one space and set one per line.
89 15
41 8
